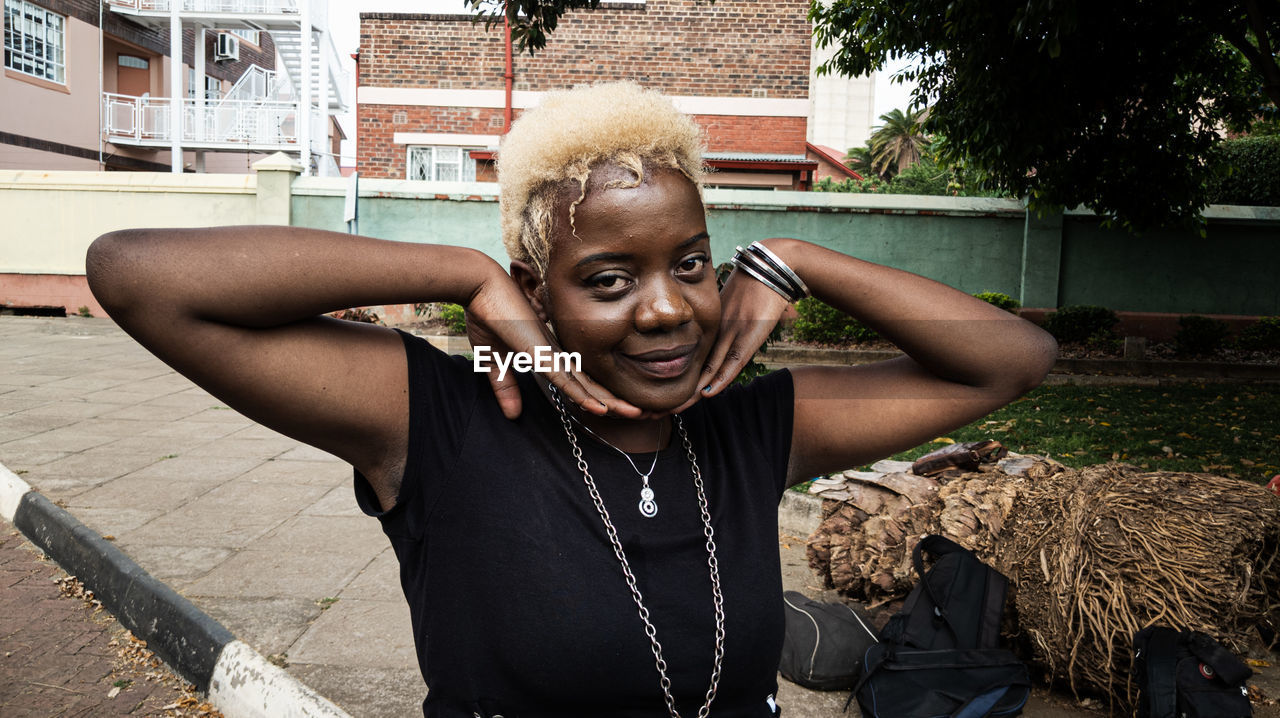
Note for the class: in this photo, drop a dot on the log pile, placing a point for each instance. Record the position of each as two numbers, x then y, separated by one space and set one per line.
1093 555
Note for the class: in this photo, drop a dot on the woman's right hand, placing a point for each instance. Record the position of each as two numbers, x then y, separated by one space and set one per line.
499 317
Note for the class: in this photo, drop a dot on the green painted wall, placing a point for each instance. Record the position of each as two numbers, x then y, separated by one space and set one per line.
1233 269
972 253
976 245
431 221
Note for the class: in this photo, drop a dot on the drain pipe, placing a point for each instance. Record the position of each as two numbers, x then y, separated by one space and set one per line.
508 74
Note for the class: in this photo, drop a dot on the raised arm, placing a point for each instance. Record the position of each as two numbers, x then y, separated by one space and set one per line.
964 358
236 310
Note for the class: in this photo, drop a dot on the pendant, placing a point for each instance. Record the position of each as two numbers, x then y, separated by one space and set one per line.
648 507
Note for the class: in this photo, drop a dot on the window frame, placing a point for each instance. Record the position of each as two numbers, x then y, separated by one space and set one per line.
48 62
466 166
253 37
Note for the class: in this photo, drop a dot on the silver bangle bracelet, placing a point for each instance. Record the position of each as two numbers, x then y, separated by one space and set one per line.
779 266
763 273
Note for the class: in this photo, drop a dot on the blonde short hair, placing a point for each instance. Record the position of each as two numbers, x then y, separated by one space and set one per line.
570 133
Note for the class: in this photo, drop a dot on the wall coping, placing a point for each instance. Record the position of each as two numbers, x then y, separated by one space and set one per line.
398 189
188 183
852 202
720 199
1214 211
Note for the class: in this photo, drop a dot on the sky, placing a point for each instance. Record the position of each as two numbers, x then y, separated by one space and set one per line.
344 22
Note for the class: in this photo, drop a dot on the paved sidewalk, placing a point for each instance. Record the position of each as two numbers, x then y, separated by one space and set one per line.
258 531
60 657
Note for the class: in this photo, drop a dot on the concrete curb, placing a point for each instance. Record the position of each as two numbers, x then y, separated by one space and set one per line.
239 681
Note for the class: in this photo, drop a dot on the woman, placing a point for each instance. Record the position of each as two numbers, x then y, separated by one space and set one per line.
593 542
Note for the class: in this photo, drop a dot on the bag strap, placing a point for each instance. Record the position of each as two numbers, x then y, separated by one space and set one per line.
1229 668
1162 665
937 546
888 653
992 609
980 705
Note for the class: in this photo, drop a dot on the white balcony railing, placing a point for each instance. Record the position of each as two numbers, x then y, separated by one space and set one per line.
229 124
236 7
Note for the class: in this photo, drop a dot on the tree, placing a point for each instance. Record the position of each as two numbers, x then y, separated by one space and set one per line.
858 159
531 20
898 143
1113 104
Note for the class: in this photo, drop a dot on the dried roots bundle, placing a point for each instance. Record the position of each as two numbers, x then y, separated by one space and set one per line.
1093 555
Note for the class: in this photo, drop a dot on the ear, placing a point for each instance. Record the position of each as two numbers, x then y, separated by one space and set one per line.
530 282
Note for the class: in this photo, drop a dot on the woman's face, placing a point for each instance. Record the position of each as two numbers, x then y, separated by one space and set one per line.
633 290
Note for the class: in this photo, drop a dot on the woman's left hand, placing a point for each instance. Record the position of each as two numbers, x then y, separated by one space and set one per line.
749 311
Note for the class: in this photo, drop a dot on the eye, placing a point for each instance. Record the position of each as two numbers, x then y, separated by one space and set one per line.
608 281
692 264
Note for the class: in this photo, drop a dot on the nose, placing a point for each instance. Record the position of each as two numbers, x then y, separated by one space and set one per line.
663 307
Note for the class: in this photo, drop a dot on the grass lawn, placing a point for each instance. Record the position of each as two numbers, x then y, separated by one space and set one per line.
1226 429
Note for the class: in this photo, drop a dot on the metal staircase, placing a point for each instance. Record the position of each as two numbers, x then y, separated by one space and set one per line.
289 48
264 109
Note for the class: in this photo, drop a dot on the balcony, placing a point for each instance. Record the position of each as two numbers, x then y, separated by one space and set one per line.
252 14
245 125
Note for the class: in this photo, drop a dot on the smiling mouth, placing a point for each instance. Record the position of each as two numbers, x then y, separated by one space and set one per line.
663 363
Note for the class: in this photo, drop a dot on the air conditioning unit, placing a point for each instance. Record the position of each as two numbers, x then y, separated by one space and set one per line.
227 48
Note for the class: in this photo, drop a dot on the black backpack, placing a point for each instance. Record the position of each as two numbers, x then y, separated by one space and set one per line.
824 643
1187 674
939 656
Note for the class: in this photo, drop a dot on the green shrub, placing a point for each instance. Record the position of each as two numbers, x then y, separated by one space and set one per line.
1262 335
1004 301
818 322
454 318
1199 335
1248 172
1080 322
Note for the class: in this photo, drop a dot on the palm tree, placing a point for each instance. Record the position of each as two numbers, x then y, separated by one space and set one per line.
897 144
858 159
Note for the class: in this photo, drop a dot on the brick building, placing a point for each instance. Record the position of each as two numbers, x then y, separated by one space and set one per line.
431 102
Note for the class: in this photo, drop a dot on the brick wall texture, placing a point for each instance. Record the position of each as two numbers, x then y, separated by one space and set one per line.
732 49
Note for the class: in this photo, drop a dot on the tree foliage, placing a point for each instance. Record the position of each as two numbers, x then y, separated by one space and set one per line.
1251 172
931 174
1111 104
898 142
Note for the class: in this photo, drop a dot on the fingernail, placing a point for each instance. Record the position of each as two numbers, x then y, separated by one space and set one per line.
706 389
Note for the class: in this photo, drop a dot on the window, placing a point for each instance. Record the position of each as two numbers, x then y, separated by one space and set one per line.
250 36
33 41
212 86
443 164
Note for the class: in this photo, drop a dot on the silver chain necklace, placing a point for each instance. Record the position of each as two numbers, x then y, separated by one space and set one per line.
716 595
648 506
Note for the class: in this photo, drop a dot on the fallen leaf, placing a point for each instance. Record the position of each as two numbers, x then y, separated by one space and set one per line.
943 440
113 692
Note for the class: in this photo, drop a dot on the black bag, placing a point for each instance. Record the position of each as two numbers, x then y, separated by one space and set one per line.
954 682
824 643
1187 674
938 657
958 603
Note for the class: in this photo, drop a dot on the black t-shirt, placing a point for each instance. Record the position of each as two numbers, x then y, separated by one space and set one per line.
519 606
